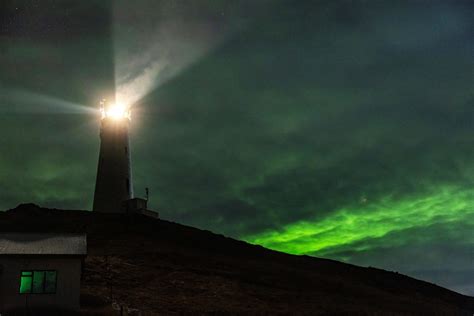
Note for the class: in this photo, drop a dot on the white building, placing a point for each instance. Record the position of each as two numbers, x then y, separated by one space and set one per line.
40 272
114 174
114 186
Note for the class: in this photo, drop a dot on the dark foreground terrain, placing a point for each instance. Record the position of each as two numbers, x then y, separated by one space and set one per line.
150 266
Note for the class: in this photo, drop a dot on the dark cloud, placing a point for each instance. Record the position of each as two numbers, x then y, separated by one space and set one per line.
53 20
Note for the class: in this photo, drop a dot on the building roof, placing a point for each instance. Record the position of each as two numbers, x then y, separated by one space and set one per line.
42 244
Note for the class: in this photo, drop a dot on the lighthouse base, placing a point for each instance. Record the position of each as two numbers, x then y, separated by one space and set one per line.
140 206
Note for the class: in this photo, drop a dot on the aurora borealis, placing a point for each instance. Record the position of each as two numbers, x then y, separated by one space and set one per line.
341 129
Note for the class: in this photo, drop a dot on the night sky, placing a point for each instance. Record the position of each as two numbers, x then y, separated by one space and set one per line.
340 129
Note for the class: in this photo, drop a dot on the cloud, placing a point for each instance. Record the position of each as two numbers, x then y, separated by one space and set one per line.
156 40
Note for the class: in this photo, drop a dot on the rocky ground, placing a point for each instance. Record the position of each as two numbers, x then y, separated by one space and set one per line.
153 267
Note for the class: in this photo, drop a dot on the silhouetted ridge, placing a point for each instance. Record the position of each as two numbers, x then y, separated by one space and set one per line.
163 267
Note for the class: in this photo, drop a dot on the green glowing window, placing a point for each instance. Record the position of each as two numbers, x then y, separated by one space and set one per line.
38 282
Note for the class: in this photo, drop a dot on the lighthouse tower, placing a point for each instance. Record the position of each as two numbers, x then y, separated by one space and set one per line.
114 175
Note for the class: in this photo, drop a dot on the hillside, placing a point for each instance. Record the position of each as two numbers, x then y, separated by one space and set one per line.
160 267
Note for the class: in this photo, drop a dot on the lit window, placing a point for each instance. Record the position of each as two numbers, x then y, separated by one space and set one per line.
26 281
38 282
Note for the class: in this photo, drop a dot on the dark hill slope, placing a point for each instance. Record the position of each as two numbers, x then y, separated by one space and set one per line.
165 268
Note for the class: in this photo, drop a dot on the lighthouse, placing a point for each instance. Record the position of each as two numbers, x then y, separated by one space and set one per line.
113 186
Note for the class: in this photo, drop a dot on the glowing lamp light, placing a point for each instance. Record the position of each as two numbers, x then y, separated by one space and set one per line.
114 111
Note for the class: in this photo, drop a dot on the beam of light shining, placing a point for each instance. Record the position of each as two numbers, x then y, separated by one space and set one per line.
15 100
449 204
154 41
115 111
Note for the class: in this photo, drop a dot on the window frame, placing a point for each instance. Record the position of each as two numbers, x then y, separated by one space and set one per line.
31 288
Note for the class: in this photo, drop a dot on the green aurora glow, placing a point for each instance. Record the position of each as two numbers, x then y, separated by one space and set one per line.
449 205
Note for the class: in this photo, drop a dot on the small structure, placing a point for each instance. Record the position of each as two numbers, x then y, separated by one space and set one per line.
40 272
139 206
